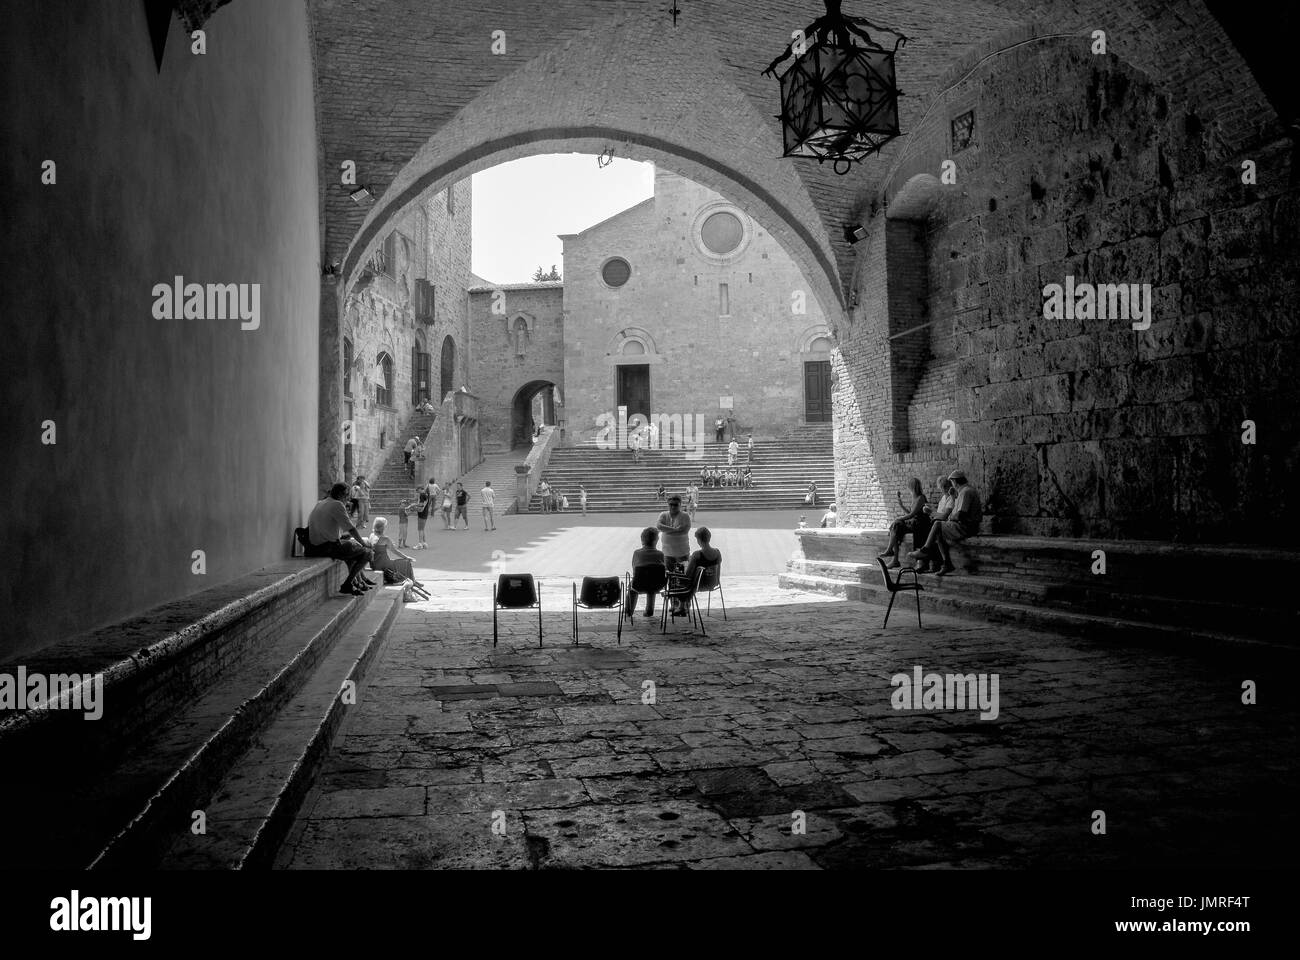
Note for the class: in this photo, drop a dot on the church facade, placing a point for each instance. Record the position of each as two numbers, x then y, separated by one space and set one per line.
681 307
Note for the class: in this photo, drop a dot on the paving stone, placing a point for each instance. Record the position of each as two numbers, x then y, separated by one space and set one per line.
622 835
381 802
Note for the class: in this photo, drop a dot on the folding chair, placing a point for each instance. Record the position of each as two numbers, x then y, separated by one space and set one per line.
894 586
516 591
712 580
677 588
598 593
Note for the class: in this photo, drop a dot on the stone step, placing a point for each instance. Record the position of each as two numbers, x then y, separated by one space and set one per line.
251 810
1222 615
1100 628
193 753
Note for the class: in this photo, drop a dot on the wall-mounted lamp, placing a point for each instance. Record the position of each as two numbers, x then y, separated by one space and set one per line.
361 195
855 233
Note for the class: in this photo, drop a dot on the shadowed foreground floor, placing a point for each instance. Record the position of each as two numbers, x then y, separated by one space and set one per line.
459 756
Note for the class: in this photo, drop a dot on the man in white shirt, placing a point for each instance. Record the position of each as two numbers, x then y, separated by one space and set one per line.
489 504
326 528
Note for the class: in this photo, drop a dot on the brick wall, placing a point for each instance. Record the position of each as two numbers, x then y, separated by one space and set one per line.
753 354
504 364
1082 167
380 316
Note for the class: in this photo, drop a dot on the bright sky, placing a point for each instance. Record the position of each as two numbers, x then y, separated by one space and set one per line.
521 207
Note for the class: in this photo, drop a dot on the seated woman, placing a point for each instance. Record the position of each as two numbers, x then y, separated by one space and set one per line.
810 497
916 521
397 566
747 479
706 556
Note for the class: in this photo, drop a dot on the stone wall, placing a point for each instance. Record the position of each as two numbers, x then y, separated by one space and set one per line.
380 316
506 360
172 436
1076 427
669 316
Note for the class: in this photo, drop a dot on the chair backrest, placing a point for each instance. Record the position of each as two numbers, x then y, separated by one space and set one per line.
516 590
601 592
889 584
650 578
710 577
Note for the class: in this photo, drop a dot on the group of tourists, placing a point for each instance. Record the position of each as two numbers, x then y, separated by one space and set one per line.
729 477
667 545
331 533
935 529
554 500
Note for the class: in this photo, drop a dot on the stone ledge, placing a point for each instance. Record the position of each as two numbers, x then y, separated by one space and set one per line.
125 650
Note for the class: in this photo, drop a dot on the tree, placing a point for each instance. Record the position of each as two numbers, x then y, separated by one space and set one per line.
539 274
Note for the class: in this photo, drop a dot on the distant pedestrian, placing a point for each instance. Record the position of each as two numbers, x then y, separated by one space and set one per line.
544 491
749 453
404 520
422 507
462 506
408 452
489 498
661 493
582 497
636 447
718 426
654 437
363 500
446 509
733 450
417 460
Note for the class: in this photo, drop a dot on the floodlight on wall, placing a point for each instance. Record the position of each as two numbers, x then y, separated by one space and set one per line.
839 98
855 232
361 195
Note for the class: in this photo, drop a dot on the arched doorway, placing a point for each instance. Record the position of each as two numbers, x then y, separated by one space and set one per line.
534 402
447 368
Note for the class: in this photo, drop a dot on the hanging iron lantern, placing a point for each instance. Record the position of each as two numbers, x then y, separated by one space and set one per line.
839 99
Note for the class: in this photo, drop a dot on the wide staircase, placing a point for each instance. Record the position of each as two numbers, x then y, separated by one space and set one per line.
500 469
216 712
1184 595
392 485
616 484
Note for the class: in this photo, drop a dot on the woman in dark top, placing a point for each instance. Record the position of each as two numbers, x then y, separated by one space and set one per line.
706 556
396 565
917 521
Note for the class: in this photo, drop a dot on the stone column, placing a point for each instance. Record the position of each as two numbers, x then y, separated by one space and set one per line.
522 496
329 456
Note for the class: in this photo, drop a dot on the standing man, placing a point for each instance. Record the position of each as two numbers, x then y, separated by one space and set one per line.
718 426
435 496
733 451
582 495
462 506
408 457
654 436
327 528
636 447
674 528
363 500
544 491
489 498
749 456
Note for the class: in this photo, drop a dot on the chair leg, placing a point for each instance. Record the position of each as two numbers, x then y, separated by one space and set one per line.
723 597
892 595
539 616
494 616
918 606
620 622
699 616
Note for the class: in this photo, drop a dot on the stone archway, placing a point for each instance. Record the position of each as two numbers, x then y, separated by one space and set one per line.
523 410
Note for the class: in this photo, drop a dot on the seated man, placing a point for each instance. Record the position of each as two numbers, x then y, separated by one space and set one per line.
706 556
326 528
963 522
647 556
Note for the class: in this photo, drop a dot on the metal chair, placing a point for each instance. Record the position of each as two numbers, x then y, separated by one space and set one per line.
896 585
650 578
712 580
677 588
598 593
516 591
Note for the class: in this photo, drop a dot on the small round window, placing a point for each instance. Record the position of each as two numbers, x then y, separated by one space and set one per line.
616 272
722 233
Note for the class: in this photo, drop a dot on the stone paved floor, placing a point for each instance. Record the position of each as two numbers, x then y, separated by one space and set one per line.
785 710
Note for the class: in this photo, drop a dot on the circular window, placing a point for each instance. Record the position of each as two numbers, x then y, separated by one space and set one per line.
616 272
722 233
633 348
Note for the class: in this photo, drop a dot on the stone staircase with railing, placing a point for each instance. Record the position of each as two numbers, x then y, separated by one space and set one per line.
392 484
616 483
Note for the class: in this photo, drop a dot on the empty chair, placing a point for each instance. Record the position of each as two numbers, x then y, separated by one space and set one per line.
894 586
679 588
598 593
516 591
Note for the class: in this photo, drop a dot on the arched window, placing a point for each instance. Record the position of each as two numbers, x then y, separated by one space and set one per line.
347 367
384 391
447 367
